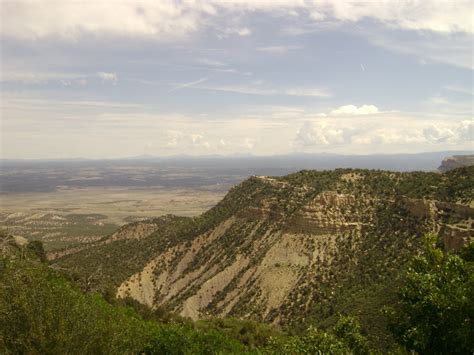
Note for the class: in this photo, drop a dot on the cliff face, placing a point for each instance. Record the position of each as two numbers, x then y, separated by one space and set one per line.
455 162
251 266
276 249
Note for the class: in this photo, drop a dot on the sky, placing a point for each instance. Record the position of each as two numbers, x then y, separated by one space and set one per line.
111 79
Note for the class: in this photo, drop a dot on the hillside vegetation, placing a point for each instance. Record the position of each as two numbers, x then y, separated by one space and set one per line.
294 251
42 313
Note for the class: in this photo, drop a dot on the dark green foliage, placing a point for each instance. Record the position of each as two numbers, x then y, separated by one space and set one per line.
176 339
345 338
160 314
467 253
459 185
36 247
42 313
348 330
247 332
435 313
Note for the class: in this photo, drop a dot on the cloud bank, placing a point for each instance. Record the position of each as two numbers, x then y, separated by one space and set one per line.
166 19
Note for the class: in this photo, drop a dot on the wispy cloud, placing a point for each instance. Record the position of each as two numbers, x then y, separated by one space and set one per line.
40 78
354 110
211 62
278 49
28 103
108 77
187 85
264 90
453 49
243 31
460 90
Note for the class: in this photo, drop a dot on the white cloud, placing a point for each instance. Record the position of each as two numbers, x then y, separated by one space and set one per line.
72 19
70 127
243 31
435 133
320 133
383 136
317 15
465 130
106 77
312 92
277 49
395 133
354 110
436 16
248 143
210 62
178 139
167 18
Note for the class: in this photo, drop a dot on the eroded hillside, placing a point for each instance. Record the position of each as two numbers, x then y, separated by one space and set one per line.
287 250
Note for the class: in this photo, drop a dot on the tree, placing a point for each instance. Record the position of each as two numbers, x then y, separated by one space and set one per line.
436 304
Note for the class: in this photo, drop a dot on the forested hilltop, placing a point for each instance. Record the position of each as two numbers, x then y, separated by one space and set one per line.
339 261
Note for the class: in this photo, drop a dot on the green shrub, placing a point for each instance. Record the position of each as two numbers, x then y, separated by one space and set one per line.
435 313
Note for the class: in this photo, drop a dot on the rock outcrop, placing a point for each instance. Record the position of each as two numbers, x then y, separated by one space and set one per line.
456 161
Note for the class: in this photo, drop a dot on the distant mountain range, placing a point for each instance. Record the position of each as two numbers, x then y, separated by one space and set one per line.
269 165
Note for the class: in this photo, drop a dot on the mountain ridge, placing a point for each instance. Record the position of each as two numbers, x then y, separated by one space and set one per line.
284 250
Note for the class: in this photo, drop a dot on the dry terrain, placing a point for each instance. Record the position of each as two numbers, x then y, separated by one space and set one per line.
73 216
67 204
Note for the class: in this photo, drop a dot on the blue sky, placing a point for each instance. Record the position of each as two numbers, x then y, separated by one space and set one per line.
103 79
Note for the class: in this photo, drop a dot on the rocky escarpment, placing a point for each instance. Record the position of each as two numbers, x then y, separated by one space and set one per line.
456 161
453 222
276 249
249 267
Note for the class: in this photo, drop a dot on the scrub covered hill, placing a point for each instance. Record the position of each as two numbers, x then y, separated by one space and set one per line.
293 251
41 312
